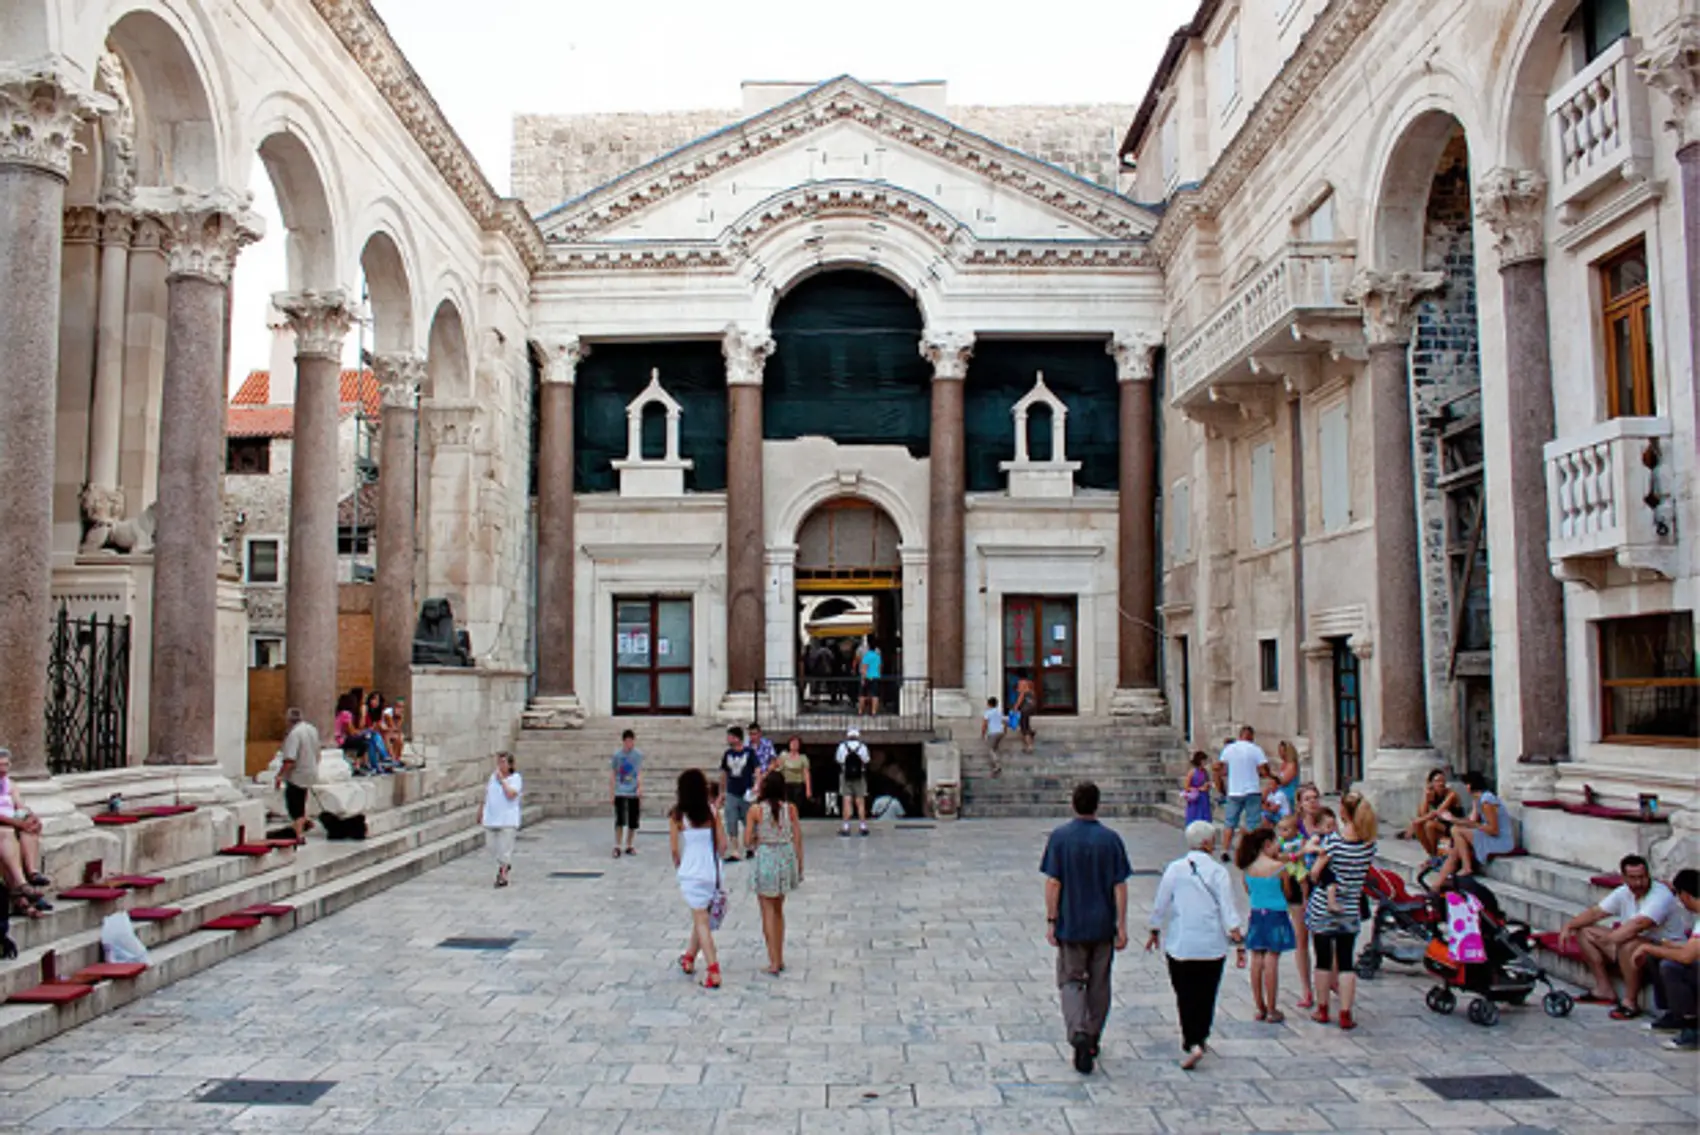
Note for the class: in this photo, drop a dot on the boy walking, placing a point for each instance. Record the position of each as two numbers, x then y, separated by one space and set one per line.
992 733
737 785
625 789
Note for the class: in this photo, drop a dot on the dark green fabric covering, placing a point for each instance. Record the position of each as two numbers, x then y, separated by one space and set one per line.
1078 371
694 373
847 365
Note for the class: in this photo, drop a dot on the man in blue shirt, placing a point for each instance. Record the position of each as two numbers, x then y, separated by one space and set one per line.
1086 872
737 789
870 665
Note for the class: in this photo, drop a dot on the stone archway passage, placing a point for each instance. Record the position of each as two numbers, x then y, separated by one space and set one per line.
849 579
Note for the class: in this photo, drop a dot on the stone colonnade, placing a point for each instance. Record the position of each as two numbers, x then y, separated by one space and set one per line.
746 353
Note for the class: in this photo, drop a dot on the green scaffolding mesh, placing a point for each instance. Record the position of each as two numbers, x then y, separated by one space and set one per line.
693 372
1078 371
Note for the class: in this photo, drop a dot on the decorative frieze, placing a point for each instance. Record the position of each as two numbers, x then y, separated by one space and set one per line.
1135 354
40 110
1672 67
1389 301
746 354
1512 204
949 352
320 320
561 356
203 231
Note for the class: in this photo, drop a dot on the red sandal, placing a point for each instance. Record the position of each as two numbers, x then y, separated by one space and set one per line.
687 964
712 981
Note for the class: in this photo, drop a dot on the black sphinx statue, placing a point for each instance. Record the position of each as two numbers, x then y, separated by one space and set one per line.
436 642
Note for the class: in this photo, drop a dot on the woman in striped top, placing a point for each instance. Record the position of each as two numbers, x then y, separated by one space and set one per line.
1346 856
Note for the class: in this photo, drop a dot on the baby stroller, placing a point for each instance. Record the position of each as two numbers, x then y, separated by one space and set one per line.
1402 923
1476 949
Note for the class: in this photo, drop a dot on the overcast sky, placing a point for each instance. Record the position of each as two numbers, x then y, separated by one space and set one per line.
487 61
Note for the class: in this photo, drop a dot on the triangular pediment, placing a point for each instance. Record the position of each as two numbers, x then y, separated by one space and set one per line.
844 132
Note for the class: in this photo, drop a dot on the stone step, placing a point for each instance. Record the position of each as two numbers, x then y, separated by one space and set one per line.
1002 810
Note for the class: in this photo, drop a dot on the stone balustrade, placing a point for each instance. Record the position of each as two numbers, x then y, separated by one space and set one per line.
1282 307
1609 500
1600 128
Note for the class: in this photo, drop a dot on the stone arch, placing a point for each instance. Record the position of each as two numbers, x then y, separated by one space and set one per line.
304 177
1415 132
179 136
1522 88
386 216
388 293
811 496
448 367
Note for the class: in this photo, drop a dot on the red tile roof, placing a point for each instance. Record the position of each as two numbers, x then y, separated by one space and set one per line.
256 389
251 413
259 421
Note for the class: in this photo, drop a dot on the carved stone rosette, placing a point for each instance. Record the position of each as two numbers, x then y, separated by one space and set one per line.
949 352
40 109
1512 203
1389 300
1672 66
399 377
203 230
1135 353
561 356
320 320
746 354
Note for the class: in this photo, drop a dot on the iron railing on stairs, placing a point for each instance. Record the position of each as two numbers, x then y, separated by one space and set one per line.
834 705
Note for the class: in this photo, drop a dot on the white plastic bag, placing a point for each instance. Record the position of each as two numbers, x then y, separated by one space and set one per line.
119 942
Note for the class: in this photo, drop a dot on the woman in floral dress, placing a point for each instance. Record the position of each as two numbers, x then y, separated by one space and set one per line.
777 837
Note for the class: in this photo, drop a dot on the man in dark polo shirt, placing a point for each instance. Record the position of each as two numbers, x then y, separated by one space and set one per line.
1086 873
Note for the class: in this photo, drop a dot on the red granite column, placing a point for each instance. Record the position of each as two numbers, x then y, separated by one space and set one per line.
204 232
1512 204
949 353
1672 65
320 321
1137 557
394 612
41 112
555 551
746 545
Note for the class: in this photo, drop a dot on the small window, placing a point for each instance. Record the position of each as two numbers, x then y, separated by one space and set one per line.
1171 142
1227 77
262 561
354 541
1649 688
1333 466
1263 495
1268 665
248 455
1318 224
1180 521
268 654
1628 320
1603 23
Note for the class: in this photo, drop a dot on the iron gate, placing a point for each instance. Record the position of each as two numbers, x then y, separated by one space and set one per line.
88 694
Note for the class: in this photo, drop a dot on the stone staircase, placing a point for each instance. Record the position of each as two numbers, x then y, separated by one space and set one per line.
1136 767
566 770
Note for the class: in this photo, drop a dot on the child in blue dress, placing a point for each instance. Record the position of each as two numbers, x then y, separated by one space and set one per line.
1271 931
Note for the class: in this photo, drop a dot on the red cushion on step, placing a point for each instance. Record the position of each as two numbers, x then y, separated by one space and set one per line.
58 993
135 881
246 849
93 893
154 913
113 819
1612 881
1545 805
155 811
231 922
109 971
267 910
1549 941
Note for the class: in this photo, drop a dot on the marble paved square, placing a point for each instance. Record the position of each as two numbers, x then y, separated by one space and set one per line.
919 998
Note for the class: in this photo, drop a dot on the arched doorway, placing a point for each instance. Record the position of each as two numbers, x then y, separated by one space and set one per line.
849 586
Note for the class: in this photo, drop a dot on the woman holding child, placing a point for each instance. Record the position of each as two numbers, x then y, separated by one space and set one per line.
1337 876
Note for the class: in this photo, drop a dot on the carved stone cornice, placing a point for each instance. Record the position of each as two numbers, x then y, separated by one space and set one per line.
846 100
1135 354
561 356
320 320
746 354
1389 300
82 224
1513 205
844 199
949 352
1052 257
363 34
117 225
203 231
40 109
399 376
1672 66
1330 39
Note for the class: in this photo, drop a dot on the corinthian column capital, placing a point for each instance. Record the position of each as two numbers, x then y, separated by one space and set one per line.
746 354
399 377
1135 353
40 109
1672 65
1389 300
561 357
320 320
949 352
203 230
1512 203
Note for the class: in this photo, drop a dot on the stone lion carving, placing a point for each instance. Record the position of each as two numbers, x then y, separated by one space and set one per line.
129 536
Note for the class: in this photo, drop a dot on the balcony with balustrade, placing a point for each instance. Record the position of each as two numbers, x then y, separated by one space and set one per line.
1600 129
1270 336
1609 501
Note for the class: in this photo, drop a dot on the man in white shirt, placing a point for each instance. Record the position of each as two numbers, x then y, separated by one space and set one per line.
1239 769
298 768
1196 913
1645 912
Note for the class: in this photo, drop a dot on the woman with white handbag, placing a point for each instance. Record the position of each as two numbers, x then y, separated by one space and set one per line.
697 845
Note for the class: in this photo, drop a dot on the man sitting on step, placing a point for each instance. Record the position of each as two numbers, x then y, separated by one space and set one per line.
1646 912
1678 988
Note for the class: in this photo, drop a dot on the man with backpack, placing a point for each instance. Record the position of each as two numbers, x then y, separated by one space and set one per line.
853 763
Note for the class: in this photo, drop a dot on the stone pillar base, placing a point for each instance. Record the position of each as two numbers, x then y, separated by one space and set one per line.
736 708
565 712
207 784
954 703
1393 782
1147 704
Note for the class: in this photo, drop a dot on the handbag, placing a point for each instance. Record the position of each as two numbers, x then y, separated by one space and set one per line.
717 904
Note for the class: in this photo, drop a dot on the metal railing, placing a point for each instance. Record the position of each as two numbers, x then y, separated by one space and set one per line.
88 694
833 705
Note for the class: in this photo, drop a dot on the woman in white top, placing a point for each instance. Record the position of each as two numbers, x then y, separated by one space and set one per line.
500 814
20 848
698 843
1195 915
